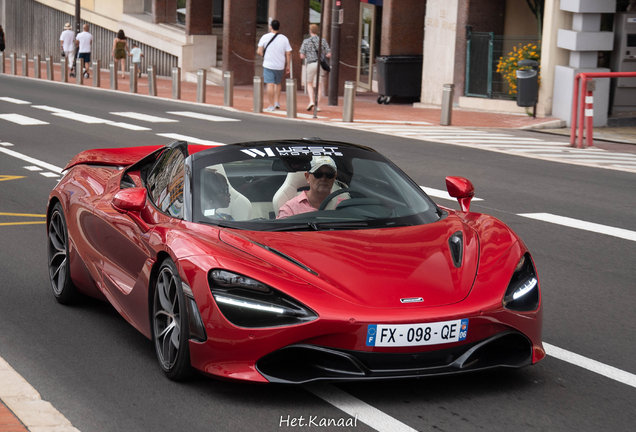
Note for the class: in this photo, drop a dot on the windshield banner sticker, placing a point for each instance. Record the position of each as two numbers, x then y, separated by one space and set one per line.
293 151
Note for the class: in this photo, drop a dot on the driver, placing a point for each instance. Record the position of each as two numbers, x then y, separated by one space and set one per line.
320 177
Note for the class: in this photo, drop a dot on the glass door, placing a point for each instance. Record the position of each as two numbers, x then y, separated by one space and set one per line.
366 45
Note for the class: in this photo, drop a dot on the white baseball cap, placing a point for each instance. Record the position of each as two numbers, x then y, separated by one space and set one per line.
318 161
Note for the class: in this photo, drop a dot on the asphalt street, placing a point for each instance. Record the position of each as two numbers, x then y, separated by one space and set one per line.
102 374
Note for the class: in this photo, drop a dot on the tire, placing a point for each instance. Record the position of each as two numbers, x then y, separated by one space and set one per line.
58 258
170 323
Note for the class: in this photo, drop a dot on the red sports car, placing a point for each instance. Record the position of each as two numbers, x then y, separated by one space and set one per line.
224 258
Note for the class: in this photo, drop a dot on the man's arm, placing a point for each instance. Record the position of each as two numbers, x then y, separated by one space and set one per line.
288 57
259 51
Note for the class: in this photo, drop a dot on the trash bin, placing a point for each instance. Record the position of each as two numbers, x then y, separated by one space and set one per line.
399 76
527 83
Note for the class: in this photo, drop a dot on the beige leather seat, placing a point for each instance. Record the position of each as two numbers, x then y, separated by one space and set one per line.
240 207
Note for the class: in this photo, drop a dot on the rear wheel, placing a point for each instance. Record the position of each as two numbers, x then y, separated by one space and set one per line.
170 323
58 257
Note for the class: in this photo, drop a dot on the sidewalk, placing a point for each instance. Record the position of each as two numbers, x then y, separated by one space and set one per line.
366 106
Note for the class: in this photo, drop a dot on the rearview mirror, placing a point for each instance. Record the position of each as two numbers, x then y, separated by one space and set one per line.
131 199
462 189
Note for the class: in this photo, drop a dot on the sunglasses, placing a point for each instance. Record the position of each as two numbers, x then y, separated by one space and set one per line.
319 174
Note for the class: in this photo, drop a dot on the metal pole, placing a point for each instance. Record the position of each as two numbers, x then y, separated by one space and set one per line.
2 62
258 94
96 70
113 76
77 16
201 82
25 65
64 70
37 67
318 65
228 88
589 113
290 89
14 59
49 69
133 79
581 114
575 99
349 101
447 104
152 81
176 83
79 71
336 23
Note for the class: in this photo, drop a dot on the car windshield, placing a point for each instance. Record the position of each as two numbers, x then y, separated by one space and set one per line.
290 185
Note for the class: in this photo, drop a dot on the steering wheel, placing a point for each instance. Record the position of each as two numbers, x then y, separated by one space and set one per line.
332 195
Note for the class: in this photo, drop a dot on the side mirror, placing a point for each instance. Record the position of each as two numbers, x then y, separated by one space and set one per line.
462 189
131 199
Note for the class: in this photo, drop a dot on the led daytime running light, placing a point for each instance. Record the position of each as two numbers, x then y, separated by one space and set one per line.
525 288
249 305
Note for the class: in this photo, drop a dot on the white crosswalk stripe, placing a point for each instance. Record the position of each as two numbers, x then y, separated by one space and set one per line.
144 117
202 116
189 139
14 101
22 120
557 151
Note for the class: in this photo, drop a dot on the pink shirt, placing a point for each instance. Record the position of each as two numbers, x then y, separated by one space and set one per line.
297 205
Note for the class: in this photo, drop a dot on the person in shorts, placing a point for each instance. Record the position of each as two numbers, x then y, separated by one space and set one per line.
84 41
309 51
276 52
136 55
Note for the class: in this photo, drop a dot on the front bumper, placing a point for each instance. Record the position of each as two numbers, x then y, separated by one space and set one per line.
302 363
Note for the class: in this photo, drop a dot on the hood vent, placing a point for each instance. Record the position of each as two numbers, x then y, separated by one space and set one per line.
456 245
288 258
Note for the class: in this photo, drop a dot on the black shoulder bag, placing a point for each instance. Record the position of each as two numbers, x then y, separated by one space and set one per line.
323 61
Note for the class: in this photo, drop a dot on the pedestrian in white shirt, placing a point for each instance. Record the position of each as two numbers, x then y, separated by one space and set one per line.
136 55
84 42
67 44
276 52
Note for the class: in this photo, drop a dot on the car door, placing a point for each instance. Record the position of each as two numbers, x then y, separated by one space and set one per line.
125 238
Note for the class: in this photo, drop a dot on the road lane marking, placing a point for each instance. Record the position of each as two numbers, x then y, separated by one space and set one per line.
80 117
49 174
22 120
583 225
438 193
356 408
14 101
9 177
6 144
27 404
50 109
592 365
202 116
22 223
33 168
29 159
190 139
145 117
128 126
22 214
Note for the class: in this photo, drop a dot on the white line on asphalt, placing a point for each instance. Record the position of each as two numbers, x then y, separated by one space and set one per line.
50 109
15 101
145 117
49 174
33 168
29 159
128 126
579 224
438 193
201 116
458 136
22 120
404 122
189 139
80 117
356 408
591 365
301 115
497 140
27 404
6 144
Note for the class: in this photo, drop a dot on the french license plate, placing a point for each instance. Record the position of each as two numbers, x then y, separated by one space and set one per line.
384 335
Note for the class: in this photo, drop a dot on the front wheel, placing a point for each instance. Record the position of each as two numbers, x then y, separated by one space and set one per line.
58 258
170 323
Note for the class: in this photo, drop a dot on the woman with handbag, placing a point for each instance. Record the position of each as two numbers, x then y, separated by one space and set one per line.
309 51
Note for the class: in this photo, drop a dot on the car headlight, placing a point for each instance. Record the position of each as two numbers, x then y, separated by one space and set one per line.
523 290
246 302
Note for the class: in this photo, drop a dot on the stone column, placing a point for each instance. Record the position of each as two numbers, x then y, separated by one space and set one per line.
349 43
402 29
198 17
164 11
239 39
584 42
290 15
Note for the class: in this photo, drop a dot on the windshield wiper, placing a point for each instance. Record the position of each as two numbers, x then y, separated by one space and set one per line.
316 226
310 226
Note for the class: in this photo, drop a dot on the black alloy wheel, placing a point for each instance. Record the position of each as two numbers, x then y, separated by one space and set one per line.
58 257
170 328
